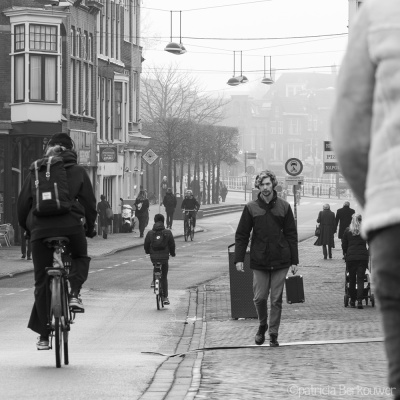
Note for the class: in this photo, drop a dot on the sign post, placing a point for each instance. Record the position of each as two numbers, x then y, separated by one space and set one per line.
247 156
294 167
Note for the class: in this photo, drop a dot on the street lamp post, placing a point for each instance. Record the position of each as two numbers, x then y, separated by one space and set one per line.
159 184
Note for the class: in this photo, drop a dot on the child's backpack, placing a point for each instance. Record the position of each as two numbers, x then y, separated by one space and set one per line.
159 241
49 185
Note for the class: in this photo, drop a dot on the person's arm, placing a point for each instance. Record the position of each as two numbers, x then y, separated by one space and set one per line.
147 242
87 198
197 205
24 202
345 241
242 235
337 218
171 245
290 233
352 114
319 218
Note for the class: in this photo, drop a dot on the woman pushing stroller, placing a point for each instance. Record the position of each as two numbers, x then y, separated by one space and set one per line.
356 254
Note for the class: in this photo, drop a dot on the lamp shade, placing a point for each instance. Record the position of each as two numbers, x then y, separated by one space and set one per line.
183 49
233 81
267 81
243 79
174 48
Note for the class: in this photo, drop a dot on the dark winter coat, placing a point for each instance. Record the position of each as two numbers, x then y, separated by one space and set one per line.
274 242
343 219
83 207
354 247
159 255
169 202
141 208
101 209
326 219
190 204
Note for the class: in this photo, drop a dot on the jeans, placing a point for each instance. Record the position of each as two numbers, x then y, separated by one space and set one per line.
325 251
170 218
385 252
356 271
193 215
25 244
265 282
43 258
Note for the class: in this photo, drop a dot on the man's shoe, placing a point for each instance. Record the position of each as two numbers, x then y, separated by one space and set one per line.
43 343
75 302
273 340
260 335
359 305
166 301
23 256
352 304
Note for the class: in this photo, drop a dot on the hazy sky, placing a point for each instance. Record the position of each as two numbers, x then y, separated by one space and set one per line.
213 29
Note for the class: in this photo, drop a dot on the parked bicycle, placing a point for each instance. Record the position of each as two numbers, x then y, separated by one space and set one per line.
60 316
158 288
188 225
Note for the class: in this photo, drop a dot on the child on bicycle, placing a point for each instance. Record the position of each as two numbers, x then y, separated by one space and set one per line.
160 244
190 203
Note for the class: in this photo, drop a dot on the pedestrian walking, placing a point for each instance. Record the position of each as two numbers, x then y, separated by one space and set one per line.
104 216
366 140
25 245
169 203
356 255
327 224
224 192
274 249
142 211
343 218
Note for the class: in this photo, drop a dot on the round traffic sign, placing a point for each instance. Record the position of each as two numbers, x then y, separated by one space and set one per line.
294 166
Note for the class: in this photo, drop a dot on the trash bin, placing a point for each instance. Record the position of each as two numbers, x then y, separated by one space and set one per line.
241 287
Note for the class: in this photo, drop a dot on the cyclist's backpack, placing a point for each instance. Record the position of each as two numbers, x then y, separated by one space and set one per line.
49 186
159 240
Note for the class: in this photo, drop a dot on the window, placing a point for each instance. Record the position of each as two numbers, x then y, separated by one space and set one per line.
294 126
77 87
127 21
42 38
73 41
72 97
118 109
19 37
78 43
279 127
295 150
19 78
43 77
90 47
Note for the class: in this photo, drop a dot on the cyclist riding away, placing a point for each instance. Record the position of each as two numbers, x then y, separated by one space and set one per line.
160 244
76 223
190 203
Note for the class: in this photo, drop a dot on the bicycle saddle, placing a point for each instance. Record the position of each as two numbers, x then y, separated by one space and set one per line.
52 239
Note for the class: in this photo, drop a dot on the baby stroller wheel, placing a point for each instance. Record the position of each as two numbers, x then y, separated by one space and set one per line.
346 300
372 300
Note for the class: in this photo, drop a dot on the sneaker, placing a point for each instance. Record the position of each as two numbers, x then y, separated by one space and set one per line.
166 301
352 304
359 305
43 343
273 340
260 335
75 301
152 284
23 256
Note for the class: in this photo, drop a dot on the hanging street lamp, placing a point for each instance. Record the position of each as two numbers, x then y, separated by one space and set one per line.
173 47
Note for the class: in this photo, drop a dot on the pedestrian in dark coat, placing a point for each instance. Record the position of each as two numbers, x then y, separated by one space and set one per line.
343 218
224 193
357 256
142 211
326 219
104 221
169 202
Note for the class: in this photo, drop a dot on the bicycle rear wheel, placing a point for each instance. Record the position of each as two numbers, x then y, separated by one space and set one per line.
191 232
186 231
58 339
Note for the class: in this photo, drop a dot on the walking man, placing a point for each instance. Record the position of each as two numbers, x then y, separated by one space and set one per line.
343 219
169 202
366 139
270 222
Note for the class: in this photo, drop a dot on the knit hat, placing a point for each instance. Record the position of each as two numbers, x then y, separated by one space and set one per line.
62 139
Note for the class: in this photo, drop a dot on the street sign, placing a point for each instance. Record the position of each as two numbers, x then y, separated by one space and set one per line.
251 156
150 156
250 169
295 180
294 166
331 165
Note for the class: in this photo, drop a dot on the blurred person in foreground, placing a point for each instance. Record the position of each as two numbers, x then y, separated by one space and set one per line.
274 248
356 254
366 139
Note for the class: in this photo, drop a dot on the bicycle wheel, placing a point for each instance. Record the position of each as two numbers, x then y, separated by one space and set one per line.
186 231
66 322
191 232
58 339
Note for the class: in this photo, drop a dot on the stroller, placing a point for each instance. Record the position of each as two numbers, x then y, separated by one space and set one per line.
367 295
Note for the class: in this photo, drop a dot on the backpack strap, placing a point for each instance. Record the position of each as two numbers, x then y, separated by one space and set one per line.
37 183
48 167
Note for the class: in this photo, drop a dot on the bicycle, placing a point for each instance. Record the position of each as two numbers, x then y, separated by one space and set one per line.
158 289
60 316
188 228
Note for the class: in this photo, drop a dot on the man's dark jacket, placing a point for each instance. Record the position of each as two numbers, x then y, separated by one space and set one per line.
83 207
169 202
343 216
159 255
190 204
274 242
